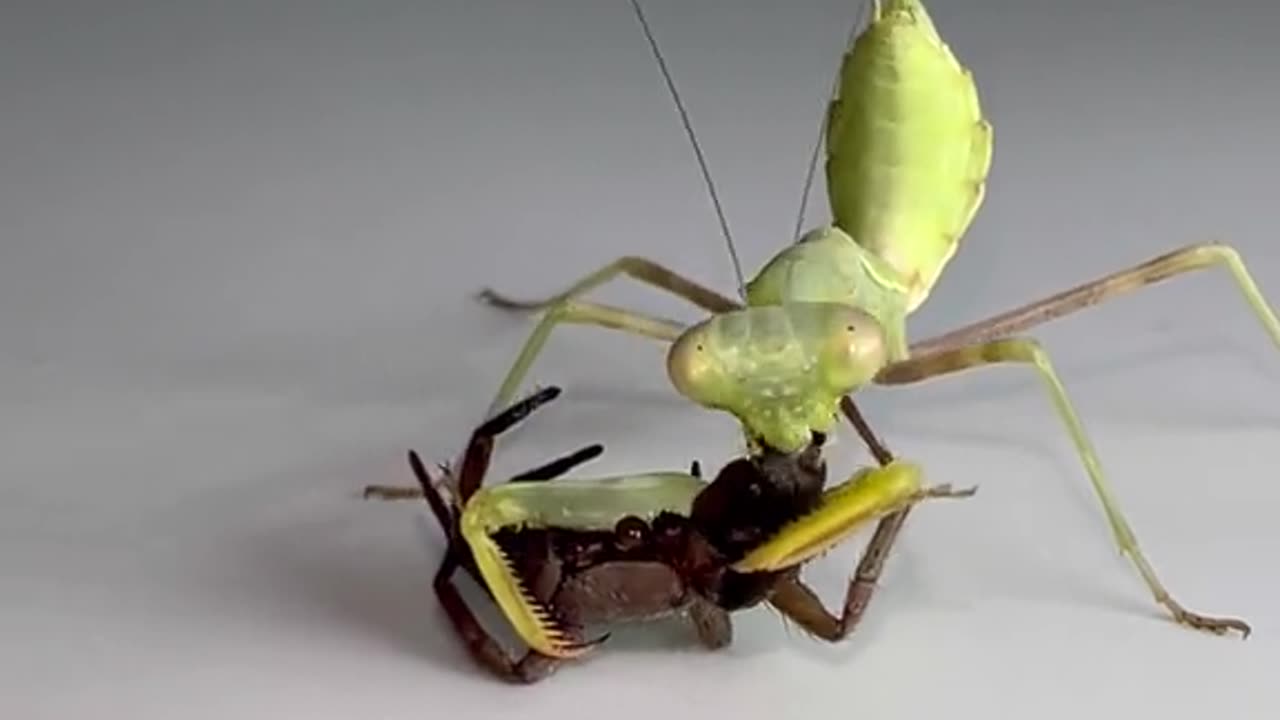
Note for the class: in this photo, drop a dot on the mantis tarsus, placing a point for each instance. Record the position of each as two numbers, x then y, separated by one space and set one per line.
908 151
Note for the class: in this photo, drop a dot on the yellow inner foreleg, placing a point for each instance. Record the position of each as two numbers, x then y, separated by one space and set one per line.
868 495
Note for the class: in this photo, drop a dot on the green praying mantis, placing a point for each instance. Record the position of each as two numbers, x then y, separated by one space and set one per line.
908 151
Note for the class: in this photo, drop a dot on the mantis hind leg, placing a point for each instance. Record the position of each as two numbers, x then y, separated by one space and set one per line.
1123 282
637 268
1027 351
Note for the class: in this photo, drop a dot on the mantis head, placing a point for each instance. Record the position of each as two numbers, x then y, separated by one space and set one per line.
780 369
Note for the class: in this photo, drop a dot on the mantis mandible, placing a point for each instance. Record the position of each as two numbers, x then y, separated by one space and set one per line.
908 151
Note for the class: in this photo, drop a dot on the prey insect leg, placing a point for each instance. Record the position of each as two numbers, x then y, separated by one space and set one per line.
712 624
797 601
533 666
530 668
476 457
793 598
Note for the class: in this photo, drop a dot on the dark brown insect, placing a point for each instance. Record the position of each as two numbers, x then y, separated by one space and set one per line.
640 570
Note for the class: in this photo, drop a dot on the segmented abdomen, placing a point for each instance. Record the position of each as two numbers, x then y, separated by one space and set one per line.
908 149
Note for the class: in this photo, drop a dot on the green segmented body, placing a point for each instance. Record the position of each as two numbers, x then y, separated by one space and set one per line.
908 149
908 152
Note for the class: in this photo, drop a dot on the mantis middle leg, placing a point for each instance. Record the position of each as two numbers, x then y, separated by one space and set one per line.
583 313
563 307
1029 352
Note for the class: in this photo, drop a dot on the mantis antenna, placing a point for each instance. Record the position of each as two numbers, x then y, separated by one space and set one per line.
697 149
822 129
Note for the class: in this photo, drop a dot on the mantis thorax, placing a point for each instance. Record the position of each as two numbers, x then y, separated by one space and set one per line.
828 266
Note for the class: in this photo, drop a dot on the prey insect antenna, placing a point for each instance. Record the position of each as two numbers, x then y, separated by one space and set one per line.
822 129
445 514
697 148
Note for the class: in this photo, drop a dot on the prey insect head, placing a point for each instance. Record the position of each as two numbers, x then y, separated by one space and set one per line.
752 497
745 508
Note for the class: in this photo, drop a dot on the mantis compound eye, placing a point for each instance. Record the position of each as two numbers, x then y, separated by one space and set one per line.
852 348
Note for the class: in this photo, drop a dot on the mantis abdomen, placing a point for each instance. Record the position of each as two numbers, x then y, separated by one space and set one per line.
908 149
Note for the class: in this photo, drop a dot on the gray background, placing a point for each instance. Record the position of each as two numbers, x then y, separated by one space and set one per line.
239 246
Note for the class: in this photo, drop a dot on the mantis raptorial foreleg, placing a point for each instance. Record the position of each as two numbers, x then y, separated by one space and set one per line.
873 492
531 667
798 601
1025 350
1123 282
844 506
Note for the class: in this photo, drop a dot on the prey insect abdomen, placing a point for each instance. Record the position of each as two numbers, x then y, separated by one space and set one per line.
622 591
781 369
572 504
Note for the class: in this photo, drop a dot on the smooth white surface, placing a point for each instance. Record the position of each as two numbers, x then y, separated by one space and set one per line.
239 245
